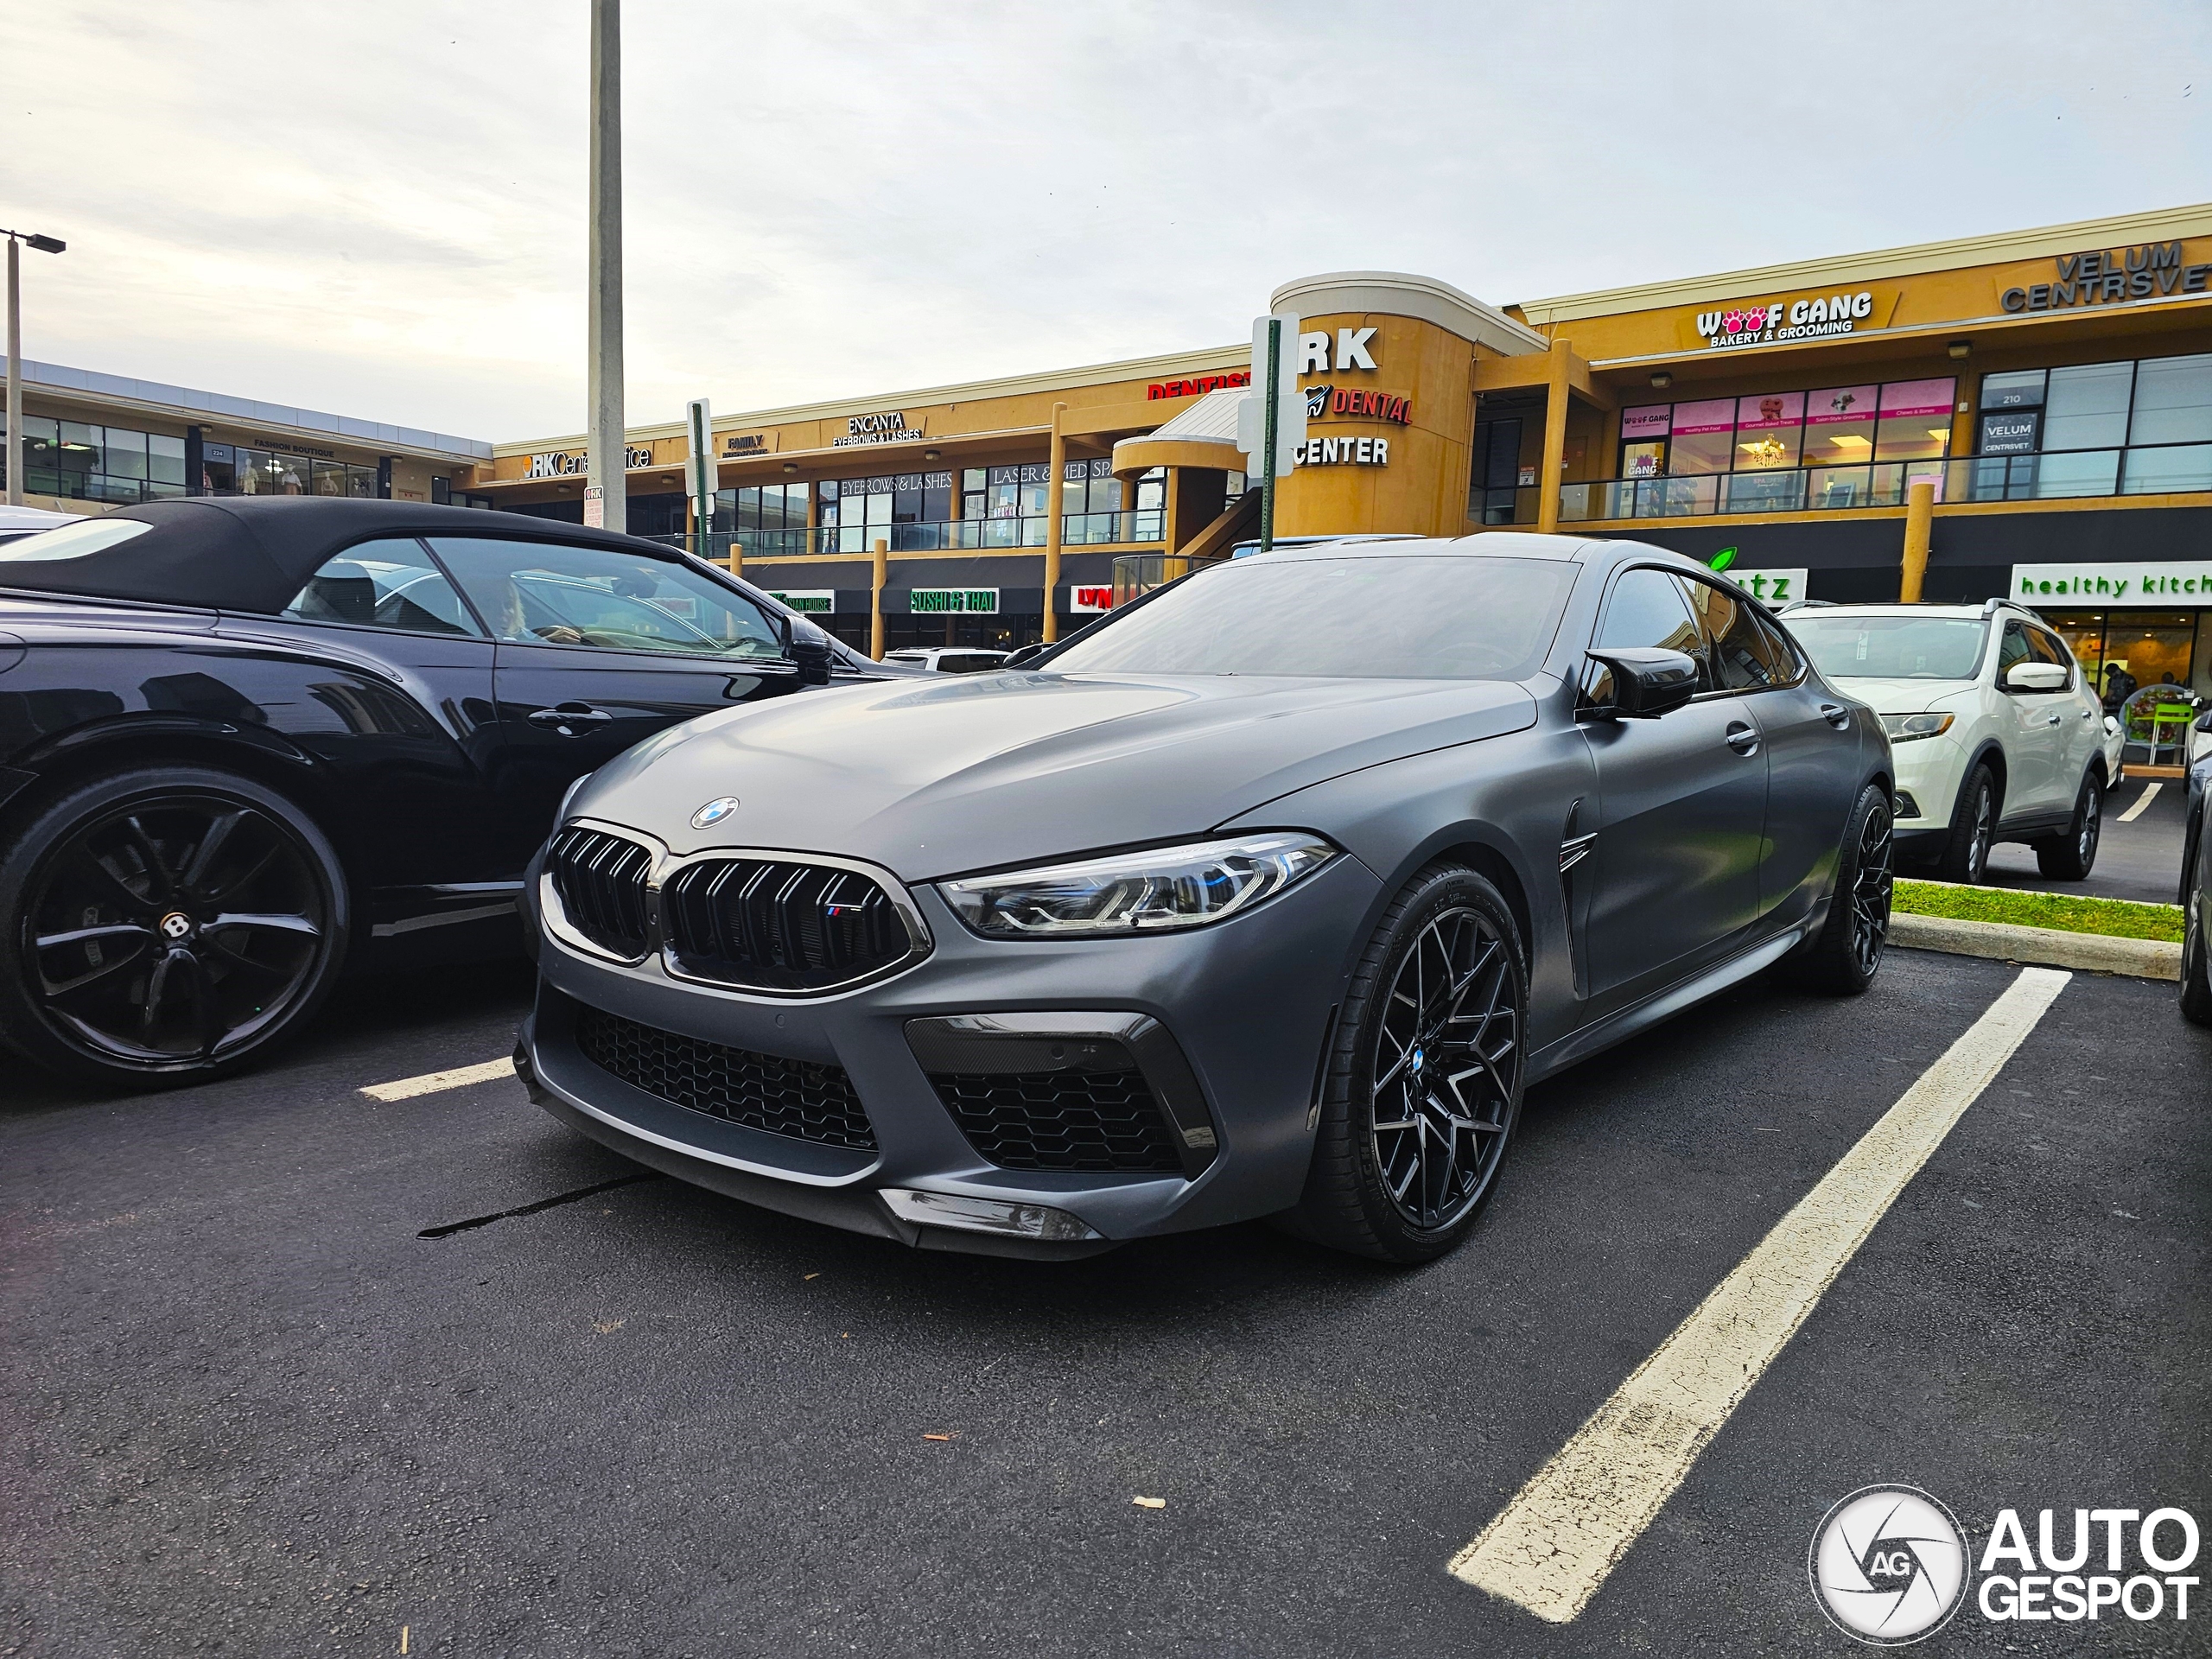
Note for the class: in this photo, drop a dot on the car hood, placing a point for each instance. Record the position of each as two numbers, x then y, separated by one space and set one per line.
981 770
1903 696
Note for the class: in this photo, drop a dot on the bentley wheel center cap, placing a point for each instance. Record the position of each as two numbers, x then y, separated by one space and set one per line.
713 812
175 925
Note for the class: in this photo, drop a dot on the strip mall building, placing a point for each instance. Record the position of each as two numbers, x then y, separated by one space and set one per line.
2053 386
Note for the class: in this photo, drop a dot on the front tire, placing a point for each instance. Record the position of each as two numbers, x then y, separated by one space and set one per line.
1973 828
1846 953
2071 856
2195 965
166 925
1425 1075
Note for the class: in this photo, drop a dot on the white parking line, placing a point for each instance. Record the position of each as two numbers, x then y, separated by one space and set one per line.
1550 1549
2150 793
431 1082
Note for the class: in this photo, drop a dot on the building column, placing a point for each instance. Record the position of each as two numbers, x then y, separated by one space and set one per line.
882 570
1054 523
1919 532
195 460
1547 473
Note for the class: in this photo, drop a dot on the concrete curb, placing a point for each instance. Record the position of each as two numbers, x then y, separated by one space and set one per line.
2004 942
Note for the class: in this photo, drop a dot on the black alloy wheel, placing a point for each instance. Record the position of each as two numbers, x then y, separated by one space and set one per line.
167 925
1873 889
1423 1083
1843 957
2071 856
1974 829
1446 1061
2196 957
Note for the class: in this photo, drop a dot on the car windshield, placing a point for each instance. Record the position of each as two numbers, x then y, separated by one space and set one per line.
1892 647
1455 616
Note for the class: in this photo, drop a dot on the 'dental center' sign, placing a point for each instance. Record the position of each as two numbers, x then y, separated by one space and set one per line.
2165 584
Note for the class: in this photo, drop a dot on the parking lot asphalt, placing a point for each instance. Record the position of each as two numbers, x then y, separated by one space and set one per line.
247 1408
2138 860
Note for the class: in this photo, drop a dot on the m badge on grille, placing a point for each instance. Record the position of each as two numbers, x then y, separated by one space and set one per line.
713 812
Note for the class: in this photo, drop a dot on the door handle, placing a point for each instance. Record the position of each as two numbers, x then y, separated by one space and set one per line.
2053 721
1836 716
1742 738
570 715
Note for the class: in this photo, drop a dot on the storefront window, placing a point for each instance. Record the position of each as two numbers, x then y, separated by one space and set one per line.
1839 426
2086 407
1702 436
82 461
2124 651
1915 420
2173 401
1769 430
1644 440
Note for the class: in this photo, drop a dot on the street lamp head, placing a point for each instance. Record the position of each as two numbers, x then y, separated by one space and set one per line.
46 244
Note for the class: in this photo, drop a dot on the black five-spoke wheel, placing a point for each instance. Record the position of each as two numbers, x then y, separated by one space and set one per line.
1447 1060
168 932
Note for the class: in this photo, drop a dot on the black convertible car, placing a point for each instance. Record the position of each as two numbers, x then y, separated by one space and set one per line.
243 742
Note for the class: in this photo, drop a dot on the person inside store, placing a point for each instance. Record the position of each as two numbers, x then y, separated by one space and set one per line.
2119 685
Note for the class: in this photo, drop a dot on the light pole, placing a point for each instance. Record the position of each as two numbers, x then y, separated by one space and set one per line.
604 442
14 455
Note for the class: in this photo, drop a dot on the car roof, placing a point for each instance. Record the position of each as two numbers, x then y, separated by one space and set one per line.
1489 543
247 553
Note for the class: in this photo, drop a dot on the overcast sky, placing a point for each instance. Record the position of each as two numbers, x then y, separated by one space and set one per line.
378 209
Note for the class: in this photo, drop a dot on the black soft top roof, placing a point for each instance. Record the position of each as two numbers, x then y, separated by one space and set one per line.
243 553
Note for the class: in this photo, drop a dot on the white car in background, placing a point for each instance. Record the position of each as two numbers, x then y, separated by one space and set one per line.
1997 734
948 659
16 521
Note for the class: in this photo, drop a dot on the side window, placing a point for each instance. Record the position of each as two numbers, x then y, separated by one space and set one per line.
2047 649
2013 650
557 594
384 584
1646 609
1746 657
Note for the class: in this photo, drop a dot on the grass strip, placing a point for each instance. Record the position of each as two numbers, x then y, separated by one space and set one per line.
2119 919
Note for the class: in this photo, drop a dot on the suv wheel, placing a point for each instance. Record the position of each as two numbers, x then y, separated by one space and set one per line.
2195 963
2071 856
1974 827
166 925
1424 1075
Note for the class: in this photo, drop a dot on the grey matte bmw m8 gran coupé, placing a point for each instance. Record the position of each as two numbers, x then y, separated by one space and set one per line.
1267 895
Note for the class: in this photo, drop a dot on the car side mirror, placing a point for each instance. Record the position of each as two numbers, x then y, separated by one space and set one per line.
1024 657
808 647
2036 676
1648 681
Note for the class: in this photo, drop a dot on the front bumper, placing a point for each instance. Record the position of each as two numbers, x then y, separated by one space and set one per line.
1247 1004
1928 770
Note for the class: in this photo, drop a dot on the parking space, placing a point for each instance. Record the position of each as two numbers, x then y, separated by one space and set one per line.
2138 852
251 1408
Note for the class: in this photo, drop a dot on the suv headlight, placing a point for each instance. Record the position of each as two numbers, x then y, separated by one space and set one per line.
1905 728
1189 885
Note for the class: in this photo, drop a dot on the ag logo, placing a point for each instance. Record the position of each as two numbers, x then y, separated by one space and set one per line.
1889 1564
713 812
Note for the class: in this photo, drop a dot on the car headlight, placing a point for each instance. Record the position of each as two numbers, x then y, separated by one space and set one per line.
1189 885
1906 729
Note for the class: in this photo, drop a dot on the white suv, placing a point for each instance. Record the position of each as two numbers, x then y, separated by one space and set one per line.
1997 734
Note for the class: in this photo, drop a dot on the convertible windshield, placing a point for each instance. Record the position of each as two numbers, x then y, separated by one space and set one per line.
1892 647
1375 616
